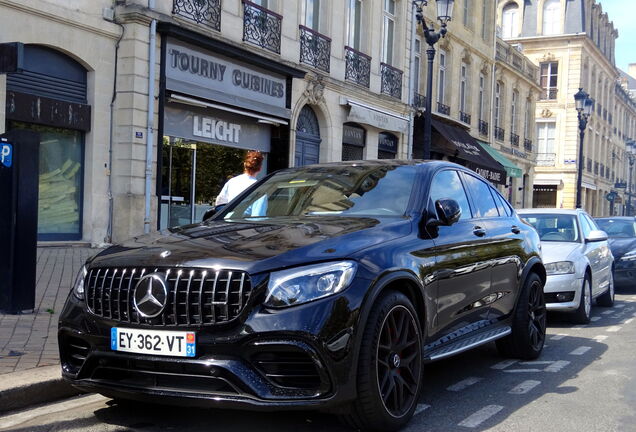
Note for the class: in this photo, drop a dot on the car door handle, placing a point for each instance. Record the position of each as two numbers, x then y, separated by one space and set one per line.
515 229
479 231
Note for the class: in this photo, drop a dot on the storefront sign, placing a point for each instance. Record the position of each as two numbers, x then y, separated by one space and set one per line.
378 119
216 127
387 142
203 74
50 112
353 135
6 154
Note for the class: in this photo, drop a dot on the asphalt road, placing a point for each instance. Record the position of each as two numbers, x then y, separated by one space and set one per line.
585 380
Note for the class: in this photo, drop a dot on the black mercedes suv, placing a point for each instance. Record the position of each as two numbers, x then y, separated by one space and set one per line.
323 287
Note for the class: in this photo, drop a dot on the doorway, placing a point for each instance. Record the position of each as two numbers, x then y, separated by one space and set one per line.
307 138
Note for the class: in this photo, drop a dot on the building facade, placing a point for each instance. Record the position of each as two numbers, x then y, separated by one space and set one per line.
573 44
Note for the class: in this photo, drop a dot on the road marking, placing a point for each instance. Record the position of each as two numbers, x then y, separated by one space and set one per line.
600 338
557 366
536 362
607 312
629 321
30 414
522 370
524 387
594 319
504 364
481 416
617 316
618 306
558 336
614 329
421 408
577 327
581 350
464 384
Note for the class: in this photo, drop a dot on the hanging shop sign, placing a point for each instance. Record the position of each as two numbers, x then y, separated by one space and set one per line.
216 127
201 73
387 142
353 135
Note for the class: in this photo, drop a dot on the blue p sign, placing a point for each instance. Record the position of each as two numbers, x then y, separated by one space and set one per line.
6 154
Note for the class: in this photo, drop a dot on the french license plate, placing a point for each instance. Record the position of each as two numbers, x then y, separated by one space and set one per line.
156 342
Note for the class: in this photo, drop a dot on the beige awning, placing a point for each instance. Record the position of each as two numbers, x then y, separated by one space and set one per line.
372 116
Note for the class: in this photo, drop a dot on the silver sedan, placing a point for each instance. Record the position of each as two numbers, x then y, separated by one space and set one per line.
577 259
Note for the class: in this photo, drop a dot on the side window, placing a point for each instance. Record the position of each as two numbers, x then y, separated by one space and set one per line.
504 204
483 201
447 184
592 222
585 226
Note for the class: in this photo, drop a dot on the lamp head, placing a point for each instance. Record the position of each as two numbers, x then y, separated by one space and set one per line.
445 10
579 99
588 106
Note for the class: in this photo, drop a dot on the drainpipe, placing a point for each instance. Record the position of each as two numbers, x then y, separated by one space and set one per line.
150 136
411 95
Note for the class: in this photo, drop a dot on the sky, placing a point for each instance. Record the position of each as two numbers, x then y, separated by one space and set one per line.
619 11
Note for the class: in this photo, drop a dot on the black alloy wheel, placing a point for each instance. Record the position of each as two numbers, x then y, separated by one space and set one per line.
537 314
399 361
389 366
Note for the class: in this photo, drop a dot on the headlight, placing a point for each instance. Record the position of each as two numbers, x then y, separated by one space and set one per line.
559 268
78 286
629 256
304 284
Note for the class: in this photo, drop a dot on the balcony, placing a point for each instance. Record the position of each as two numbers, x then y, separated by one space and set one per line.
204 12
358 67
549 94
546 159
391 81
443 109
419 101
261 26
500 134
514 139
527 145
511 56
465 117
315 49
483 128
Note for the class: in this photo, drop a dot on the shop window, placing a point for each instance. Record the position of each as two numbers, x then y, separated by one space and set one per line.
353 142
387 145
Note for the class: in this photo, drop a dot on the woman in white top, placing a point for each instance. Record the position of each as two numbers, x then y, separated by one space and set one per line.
252 165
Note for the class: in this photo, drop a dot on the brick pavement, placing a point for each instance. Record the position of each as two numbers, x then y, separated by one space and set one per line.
30 340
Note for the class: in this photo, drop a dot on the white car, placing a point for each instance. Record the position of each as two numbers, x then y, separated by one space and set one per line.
577 259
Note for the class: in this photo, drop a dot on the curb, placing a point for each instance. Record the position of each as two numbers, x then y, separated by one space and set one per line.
33 386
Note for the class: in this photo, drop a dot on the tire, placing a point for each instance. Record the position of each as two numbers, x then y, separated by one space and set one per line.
607 298
584 311
389 368
528 323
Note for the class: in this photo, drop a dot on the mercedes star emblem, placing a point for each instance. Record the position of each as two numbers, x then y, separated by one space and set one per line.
150 295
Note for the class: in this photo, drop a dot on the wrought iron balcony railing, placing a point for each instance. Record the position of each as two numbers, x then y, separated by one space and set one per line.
391 81
549 94
443 109
205 12
527 144
500 134
358 67
315 49
546 159
465 117
514 139
419 101
483 128
261 26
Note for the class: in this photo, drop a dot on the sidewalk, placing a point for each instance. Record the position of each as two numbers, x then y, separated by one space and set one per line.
30 340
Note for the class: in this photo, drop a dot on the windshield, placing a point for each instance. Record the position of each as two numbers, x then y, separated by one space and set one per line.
379 191
618 228
554 227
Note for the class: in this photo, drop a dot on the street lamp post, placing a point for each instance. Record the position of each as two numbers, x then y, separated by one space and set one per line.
631 157
444 14
584 107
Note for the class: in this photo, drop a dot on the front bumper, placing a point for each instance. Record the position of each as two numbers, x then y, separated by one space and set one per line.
625 274
300 357
569 285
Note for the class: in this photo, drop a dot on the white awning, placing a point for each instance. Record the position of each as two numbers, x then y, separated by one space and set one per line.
548 181
372 116
587 185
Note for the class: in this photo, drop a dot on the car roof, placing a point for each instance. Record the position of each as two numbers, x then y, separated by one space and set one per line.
429 164
623 218
550 211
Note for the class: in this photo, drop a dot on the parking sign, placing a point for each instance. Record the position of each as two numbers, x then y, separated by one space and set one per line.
6 154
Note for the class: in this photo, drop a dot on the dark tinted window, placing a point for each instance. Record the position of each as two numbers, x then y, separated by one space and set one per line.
447 184
504 204
483 201
621 228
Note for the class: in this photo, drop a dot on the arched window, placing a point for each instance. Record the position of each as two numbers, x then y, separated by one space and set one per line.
552 17
510 21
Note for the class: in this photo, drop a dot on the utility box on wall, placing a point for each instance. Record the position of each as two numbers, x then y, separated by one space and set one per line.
19 152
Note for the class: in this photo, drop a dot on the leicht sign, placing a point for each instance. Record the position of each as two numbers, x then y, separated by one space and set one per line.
207 75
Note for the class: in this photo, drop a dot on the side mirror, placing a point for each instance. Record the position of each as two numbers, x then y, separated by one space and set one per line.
596 236
211 212
448 211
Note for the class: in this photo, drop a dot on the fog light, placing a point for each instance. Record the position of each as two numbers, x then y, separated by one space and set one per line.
561 297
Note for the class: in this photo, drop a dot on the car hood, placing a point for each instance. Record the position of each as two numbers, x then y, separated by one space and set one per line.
620 246
254 246
560 251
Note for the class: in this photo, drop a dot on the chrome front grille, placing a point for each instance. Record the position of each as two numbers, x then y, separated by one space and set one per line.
195 296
